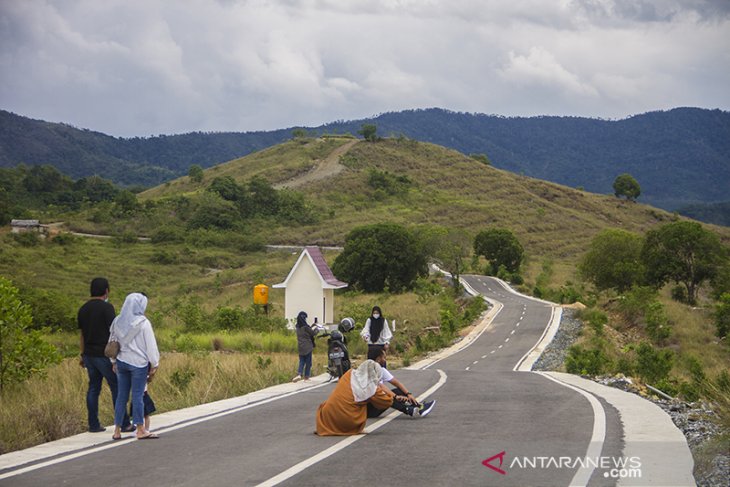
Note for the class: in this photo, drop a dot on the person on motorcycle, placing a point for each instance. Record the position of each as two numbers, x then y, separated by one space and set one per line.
404 401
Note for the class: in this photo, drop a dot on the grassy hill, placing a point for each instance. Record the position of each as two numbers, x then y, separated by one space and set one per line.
679 156
438 186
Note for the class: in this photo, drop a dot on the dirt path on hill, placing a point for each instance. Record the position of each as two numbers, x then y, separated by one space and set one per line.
323 169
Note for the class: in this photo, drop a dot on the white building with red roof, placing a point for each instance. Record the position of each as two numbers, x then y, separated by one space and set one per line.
310 287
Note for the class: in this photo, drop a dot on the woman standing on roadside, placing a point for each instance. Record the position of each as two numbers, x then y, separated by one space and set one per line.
137 351
376 332
305 345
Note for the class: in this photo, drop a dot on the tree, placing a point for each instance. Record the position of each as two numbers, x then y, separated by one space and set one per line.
682 252
380 256
369 132
613 260
501 248
299 133
212 211
447 246
126 203
228 189
196 173
23 352
625 185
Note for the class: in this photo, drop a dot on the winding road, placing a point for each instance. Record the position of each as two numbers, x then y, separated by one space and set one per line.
494 424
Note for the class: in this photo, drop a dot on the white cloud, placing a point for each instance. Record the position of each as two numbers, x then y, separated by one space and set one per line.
133 67
540 67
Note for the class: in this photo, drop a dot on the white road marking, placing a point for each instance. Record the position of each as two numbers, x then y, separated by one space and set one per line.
301 466
500 346
475 362
506 340
466 368
598 436
484 356
492 351
126 441
512 332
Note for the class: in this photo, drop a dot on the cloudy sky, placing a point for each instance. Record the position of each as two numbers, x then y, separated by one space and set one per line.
148 67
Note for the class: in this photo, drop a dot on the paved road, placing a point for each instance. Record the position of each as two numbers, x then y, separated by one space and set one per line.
484 408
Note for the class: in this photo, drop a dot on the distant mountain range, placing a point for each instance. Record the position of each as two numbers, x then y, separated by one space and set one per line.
679 157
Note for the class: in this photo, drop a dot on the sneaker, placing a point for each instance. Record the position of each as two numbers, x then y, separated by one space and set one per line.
297 378
98 429
426 408
413 411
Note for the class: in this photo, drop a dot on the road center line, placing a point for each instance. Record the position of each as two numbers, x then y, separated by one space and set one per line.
301 466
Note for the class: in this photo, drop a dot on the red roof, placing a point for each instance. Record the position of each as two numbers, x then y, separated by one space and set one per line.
324 270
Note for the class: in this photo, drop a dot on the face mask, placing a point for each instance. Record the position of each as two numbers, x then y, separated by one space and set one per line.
376 315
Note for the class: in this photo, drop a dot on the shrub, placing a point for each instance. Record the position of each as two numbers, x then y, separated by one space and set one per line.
181 378
651 364
657 322
65 239
722 316
22 350
164 257
27 239
126 237
50 309
596 319
633 304
229 318
168 233
585 362
679 294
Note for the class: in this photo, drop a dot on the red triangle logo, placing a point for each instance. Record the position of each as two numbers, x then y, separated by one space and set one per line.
487 463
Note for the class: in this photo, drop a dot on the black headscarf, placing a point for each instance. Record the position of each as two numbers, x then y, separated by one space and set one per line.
376 324
302 319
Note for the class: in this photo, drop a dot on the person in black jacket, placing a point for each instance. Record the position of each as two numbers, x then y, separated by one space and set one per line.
95 318
305 344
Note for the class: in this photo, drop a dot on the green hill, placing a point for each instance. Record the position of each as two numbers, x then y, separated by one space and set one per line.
680 156
414 183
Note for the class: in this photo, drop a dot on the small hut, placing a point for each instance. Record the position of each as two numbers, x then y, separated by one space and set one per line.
22 226
309 287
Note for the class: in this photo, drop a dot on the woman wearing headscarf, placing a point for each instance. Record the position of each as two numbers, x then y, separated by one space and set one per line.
376 332
305 344
345 410
137 359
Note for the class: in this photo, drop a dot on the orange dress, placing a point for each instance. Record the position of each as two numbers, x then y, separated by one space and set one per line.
340 415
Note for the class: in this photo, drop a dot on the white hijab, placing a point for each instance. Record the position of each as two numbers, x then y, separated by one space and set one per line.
126 325
365 379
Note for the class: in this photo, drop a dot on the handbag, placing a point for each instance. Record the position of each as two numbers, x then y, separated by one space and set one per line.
112 349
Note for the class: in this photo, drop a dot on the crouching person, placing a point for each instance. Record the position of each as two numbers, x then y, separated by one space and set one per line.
345 410
404 401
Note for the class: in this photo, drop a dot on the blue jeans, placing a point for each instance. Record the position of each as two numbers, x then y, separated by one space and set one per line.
134 379
305 365
99 368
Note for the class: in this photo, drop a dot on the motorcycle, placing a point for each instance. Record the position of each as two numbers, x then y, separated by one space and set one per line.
338 358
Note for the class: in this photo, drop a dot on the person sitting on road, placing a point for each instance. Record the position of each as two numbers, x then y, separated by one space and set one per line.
345 410
376 332
410 405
